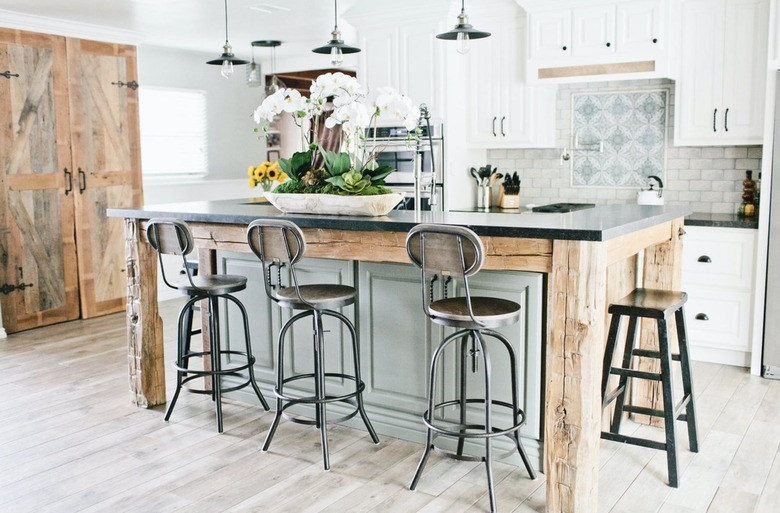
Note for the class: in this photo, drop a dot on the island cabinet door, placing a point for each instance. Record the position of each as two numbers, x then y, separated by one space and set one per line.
526 340
396 344
266 320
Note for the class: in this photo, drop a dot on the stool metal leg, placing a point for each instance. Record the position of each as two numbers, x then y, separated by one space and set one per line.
668 398
515 399
319 387
216 359
358 379
180 357
464 351
685 364
480 343
249 357
628 354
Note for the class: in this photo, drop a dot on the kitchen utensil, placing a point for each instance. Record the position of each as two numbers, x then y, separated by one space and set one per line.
476 176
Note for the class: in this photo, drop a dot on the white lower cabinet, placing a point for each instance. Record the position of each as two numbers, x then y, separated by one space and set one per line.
396 341
717 275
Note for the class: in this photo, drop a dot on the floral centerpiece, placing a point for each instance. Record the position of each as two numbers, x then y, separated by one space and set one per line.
350 170
266 175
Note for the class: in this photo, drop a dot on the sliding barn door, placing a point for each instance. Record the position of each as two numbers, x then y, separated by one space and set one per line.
38 272
105 140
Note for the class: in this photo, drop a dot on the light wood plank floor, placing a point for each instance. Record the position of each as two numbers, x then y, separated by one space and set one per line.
71 441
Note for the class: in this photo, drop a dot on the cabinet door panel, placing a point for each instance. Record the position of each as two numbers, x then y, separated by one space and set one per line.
638 27
484 90
551 35
37 243
395 337
593 31
378 60
744 77
104 127
526 340
699 111
420 66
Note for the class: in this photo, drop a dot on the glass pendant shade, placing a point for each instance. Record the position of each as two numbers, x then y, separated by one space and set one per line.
463 32
275 84
227 60
254 76
336 47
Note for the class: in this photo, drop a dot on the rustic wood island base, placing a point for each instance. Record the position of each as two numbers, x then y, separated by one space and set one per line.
589 258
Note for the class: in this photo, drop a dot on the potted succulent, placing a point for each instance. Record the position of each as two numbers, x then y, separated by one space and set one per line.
345 179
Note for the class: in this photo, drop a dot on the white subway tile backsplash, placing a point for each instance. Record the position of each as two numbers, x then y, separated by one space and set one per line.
707 178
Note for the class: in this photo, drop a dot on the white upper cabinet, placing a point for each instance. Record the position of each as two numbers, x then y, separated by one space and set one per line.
720 91
584 41
504 112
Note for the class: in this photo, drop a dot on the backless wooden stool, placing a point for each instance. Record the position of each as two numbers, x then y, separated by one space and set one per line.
659 305
458 252
277 242
173 237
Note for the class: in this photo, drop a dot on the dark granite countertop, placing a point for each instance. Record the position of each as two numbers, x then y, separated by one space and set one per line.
594 224
721 220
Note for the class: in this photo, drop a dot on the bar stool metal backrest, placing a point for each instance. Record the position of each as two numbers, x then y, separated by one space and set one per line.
445 250
171 237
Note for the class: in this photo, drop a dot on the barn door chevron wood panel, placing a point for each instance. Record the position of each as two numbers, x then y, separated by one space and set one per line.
105 141
37 245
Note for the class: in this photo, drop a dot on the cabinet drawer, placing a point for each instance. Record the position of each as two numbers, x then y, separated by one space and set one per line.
718 319
718 257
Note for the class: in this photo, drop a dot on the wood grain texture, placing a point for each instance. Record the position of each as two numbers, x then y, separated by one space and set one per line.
575 337
144 325
662 270
106 148
34 150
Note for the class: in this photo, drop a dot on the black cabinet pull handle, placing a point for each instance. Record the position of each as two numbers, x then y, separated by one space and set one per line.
69 175
82 180
705 259
655 40
503 118
609 44
564 48
7 74
494 126
714 118
702 317
726 120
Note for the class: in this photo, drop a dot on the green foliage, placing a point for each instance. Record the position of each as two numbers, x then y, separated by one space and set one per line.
335 163
297 165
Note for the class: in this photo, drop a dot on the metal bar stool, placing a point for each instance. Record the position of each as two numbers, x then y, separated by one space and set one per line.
281 243
173 237
458 252
659 305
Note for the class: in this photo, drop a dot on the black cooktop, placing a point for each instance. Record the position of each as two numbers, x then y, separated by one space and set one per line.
563 207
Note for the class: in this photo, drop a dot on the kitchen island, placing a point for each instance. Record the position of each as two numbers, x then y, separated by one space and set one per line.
588 258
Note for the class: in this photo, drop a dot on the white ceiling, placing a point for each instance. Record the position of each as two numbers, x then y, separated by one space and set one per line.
198 25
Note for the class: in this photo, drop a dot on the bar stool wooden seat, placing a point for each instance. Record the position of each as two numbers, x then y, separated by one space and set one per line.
173 237
659 305
455 251
281 243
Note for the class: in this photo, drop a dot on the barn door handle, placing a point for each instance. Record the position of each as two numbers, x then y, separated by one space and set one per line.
82 180
7 74
130 85
7 288
69 174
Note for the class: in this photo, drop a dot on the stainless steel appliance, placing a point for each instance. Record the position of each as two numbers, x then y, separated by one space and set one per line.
771 352
395 149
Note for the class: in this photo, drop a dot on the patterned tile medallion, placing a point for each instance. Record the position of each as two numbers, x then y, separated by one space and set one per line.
619 138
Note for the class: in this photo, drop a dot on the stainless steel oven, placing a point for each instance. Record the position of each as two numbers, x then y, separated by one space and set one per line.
395 149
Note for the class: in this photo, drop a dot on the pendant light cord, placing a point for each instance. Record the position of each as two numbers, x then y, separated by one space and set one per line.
226 22
335 15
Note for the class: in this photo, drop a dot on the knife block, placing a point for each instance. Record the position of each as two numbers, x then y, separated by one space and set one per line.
508 201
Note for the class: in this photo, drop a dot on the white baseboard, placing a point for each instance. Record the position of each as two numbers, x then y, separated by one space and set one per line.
722 356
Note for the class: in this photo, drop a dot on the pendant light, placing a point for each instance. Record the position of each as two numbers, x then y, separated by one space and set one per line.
275 84
463 32
227 59
254 76
336 46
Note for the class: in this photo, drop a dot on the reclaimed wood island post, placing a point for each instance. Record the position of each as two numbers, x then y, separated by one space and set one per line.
588 256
